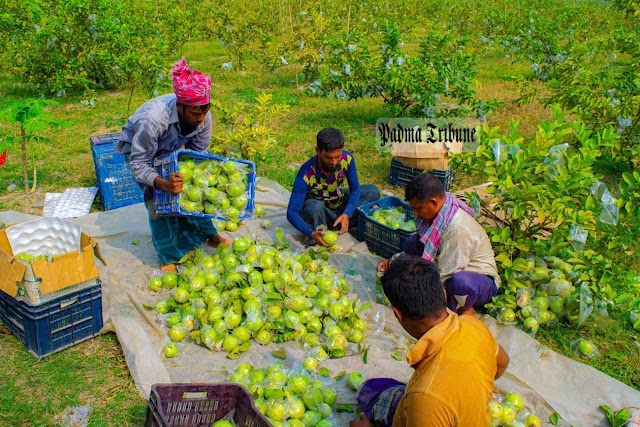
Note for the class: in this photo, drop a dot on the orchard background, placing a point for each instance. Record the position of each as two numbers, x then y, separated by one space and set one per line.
557 79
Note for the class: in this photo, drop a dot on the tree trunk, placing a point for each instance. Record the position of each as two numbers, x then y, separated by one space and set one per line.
25 174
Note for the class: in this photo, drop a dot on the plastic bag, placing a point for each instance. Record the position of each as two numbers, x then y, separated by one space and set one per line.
609 213
555 159
578 237
503 151
584 347
76 416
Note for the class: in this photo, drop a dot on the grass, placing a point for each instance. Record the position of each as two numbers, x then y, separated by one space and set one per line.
34 391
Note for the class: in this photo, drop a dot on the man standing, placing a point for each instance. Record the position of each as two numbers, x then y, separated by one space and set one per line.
456 358
448 235
161 126
319 199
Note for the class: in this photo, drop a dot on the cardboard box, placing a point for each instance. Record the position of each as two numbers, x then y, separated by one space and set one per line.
425 155
63 271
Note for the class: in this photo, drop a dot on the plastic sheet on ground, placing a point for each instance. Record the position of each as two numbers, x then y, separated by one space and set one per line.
548 381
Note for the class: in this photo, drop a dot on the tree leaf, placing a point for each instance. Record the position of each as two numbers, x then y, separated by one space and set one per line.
279 354
343 407
397 356
554 418
340 376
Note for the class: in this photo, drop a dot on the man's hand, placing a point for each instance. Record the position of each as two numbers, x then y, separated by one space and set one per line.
343 220
362 422
384 264
317 236
172 185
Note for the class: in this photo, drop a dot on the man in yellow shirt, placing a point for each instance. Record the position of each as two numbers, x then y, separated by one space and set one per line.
456 359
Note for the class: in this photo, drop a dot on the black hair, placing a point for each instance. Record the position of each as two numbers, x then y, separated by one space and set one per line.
412 285
424 187
329 139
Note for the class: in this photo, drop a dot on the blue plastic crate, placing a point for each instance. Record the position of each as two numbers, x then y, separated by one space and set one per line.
115 182
54 325
381 239
401 174
169 204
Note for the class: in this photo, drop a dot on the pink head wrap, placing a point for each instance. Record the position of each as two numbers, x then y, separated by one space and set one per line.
191 87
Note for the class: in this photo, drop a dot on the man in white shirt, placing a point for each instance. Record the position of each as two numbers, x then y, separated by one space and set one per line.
448 235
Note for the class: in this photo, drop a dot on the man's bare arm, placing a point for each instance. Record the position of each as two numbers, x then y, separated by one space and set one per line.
502 361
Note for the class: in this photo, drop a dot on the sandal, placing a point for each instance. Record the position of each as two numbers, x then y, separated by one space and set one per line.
223 241
169 268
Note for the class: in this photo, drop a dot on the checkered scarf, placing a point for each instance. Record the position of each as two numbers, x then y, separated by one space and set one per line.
432 232
191 87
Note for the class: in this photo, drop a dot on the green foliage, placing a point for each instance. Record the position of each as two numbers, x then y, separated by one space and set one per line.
78 45
617 419
437 82
245 131
542 190
630 192
32 119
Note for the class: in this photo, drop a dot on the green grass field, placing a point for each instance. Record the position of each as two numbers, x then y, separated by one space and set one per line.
34 391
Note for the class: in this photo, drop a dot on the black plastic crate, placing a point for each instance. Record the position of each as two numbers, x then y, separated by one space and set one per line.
383 240
115 182
401 174
54 325
200 405
169 204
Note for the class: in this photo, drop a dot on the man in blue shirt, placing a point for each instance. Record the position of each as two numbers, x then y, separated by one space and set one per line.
319 198
161 126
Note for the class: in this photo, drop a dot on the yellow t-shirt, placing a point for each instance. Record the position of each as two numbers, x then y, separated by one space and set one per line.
455 365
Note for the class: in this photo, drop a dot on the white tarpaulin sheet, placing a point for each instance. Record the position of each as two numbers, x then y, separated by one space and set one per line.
548 381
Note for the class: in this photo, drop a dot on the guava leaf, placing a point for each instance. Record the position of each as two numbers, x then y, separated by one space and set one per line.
340 376
279 354
148 307
365 356
279 236
324 372
554 418
343 407
364 306
397 356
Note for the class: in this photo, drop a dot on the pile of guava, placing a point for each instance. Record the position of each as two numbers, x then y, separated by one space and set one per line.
546 290
256 292
289 397
509 410
214 188
394 218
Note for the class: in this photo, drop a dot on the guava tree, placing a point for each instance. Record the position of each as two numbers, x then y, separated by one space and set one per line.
32 119
543 202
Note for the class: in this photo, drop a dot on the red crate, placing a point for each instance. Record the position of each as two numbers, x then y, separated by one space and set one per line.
200 405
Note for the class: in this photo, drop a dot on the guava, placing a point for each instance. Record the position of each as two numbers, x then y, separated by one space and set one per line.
170 350
177 332
330 396
298 384
514 400
355 380
222 423
230 343
266 224
230 226
311 418
242 334
531 324
295 408
263 337
310 363
155 284
170 280
507 315
312 398
495 409
532 421
508 414
172 320
181 295
330 238
259 209
586 347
